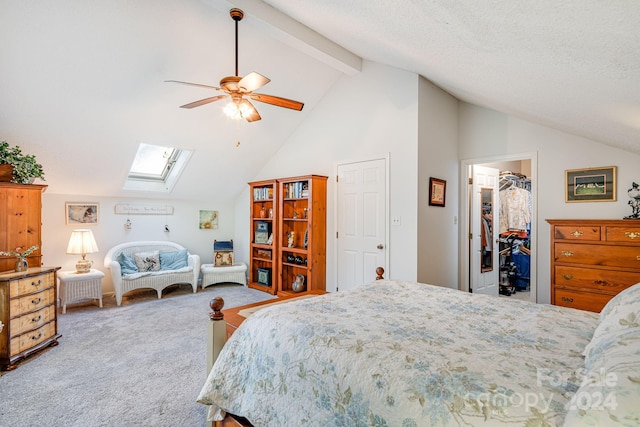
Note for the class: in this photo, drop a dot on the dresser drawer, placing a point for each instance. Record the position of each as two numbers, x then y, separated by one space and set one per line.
32 320
581 300
31 284
30 339
622 234
605 281
577 232
604 255
29 303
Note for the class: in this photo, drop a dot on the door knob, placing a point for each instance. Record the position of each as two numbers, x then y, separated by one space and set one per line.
380 246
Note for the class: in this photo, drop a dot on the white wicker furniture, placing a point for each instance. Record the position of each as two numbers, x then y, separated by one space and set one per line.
76 286
236 273
157 280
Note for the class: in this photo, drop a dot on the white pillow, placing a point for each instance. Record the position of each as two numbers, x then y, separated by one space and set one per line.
147 261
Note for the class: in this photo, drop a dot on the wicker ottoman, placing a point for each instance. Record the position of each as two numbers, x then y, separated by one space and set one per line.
80 286
236 273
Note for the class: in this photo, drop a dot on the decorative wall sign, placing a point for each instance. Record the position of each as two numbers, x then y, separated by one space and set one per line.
126 209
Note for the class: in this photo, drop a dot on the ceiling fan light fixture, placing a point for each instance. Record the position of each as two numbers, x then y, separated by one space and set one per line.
241 89
236 111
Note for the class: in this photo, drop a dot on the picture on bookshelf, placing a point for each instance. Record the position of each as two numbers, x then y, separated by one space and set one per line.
264 276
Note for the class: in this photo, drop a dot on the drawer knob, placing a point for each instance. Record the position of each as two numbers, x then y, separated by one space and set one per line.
577 233
36 319
567 276
601 282
632 235
36 284
567 299
36 301
34 337
567 253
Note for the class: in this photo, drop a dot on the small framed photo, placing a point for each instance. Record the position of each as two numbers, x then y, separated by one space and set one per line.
591 185
81 213
437 191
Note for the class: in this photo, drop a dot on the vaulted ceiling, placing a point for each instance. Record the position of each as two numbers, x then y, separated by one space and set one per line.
82 83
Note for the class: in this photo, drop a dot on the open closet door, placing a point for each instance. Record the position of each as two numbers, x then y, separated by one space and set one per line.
485 209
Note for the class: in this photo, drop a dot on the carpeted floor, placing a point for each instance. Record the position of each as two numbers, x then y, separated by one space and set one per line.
141 364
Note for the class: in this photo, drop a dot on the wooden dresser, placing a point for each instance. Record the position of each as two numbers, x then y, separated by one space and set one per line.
28 312
592 260
20 222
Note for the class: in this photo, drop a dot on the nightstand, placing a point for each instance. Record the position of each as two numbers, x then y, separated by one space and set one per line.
76 286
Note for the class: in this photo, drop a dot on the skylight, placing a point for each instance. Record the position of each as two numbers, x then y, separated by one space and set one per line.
156 168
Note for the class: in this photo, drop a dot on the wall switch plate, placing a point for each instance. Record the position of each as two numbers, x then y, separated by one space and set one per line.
395 220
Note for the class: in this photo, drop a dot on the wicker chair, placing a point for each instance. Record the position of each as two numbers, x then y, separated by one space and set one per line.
157 280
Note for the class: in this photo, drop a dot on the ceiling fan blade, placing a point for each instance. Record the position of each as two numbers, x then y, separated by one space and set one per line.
203 101
252 81
253 113
276 100
192 84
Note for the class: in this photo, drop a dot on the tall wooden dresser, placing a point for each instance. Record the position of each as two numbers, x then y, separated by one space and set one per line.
20 221
592 261
28 312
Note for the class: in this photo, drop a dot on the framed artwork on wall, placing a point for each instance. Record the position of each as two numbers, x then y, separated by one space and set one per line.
437 191
591 185
208 220
81 213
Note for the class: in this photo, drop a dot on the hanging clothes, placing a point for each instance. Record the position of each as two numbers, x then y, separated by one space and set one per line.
515 210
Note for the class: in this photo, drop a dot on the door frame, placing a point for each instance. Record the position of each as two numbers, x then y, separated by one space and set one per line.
465 207
385 157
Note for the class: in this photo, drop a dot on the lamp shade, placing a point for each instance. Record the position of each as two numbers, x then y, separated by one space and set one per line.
82 242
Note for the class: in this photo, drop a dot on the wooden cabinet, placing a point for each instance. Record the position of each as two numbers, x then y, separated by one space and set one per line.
292 213
28 312
263 268
302 226
592 261
20 222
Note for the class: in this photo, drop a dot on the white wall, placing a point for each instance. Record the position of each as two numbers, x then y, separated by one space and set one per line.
365 115
110 231
487 133
438 157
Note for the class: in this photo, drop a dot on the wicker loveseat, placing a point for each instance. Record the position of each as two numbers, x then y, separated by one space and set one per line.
158 280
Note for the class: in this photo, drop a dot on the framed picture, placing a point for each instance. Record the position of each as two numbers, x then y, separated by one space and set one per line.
81 213
264 276
591 185
437 191
208 220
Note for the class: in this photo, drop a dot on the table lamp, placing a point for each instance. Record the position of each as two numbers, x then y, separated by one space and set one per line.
82 242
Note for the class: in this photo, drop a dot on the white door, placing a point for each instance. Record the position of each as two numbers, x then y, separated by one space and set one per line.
361 207
484 259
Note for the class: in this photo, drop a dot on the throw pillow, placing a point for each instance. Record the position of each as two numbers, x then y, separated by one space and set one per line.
174 260
223 258
127 264
222 253
147 261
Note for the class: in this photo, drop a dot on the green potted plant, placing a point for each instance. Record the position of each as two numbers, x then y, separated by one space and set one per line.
25 166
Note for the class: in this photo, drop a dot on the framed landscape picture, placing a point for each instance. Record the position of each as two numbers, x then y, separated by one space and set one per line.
591 185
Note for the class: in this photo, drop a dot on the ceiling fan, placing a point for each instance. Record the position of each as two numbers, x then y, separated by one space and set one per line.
240 88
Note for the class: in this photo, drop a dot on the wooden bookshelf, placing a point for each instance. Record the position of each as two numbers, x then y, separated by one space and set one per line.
263 253
302 217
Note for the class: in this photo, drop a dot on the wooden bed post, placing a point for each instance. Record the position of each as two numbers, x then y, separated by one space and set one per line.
217 331
379 273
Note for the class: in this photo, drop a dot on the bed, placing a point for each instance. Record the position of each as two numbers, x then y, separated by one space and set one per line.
394 353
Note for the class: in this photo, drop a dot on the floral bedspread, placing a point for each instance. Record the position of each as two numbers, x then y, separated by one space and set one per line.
402 354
